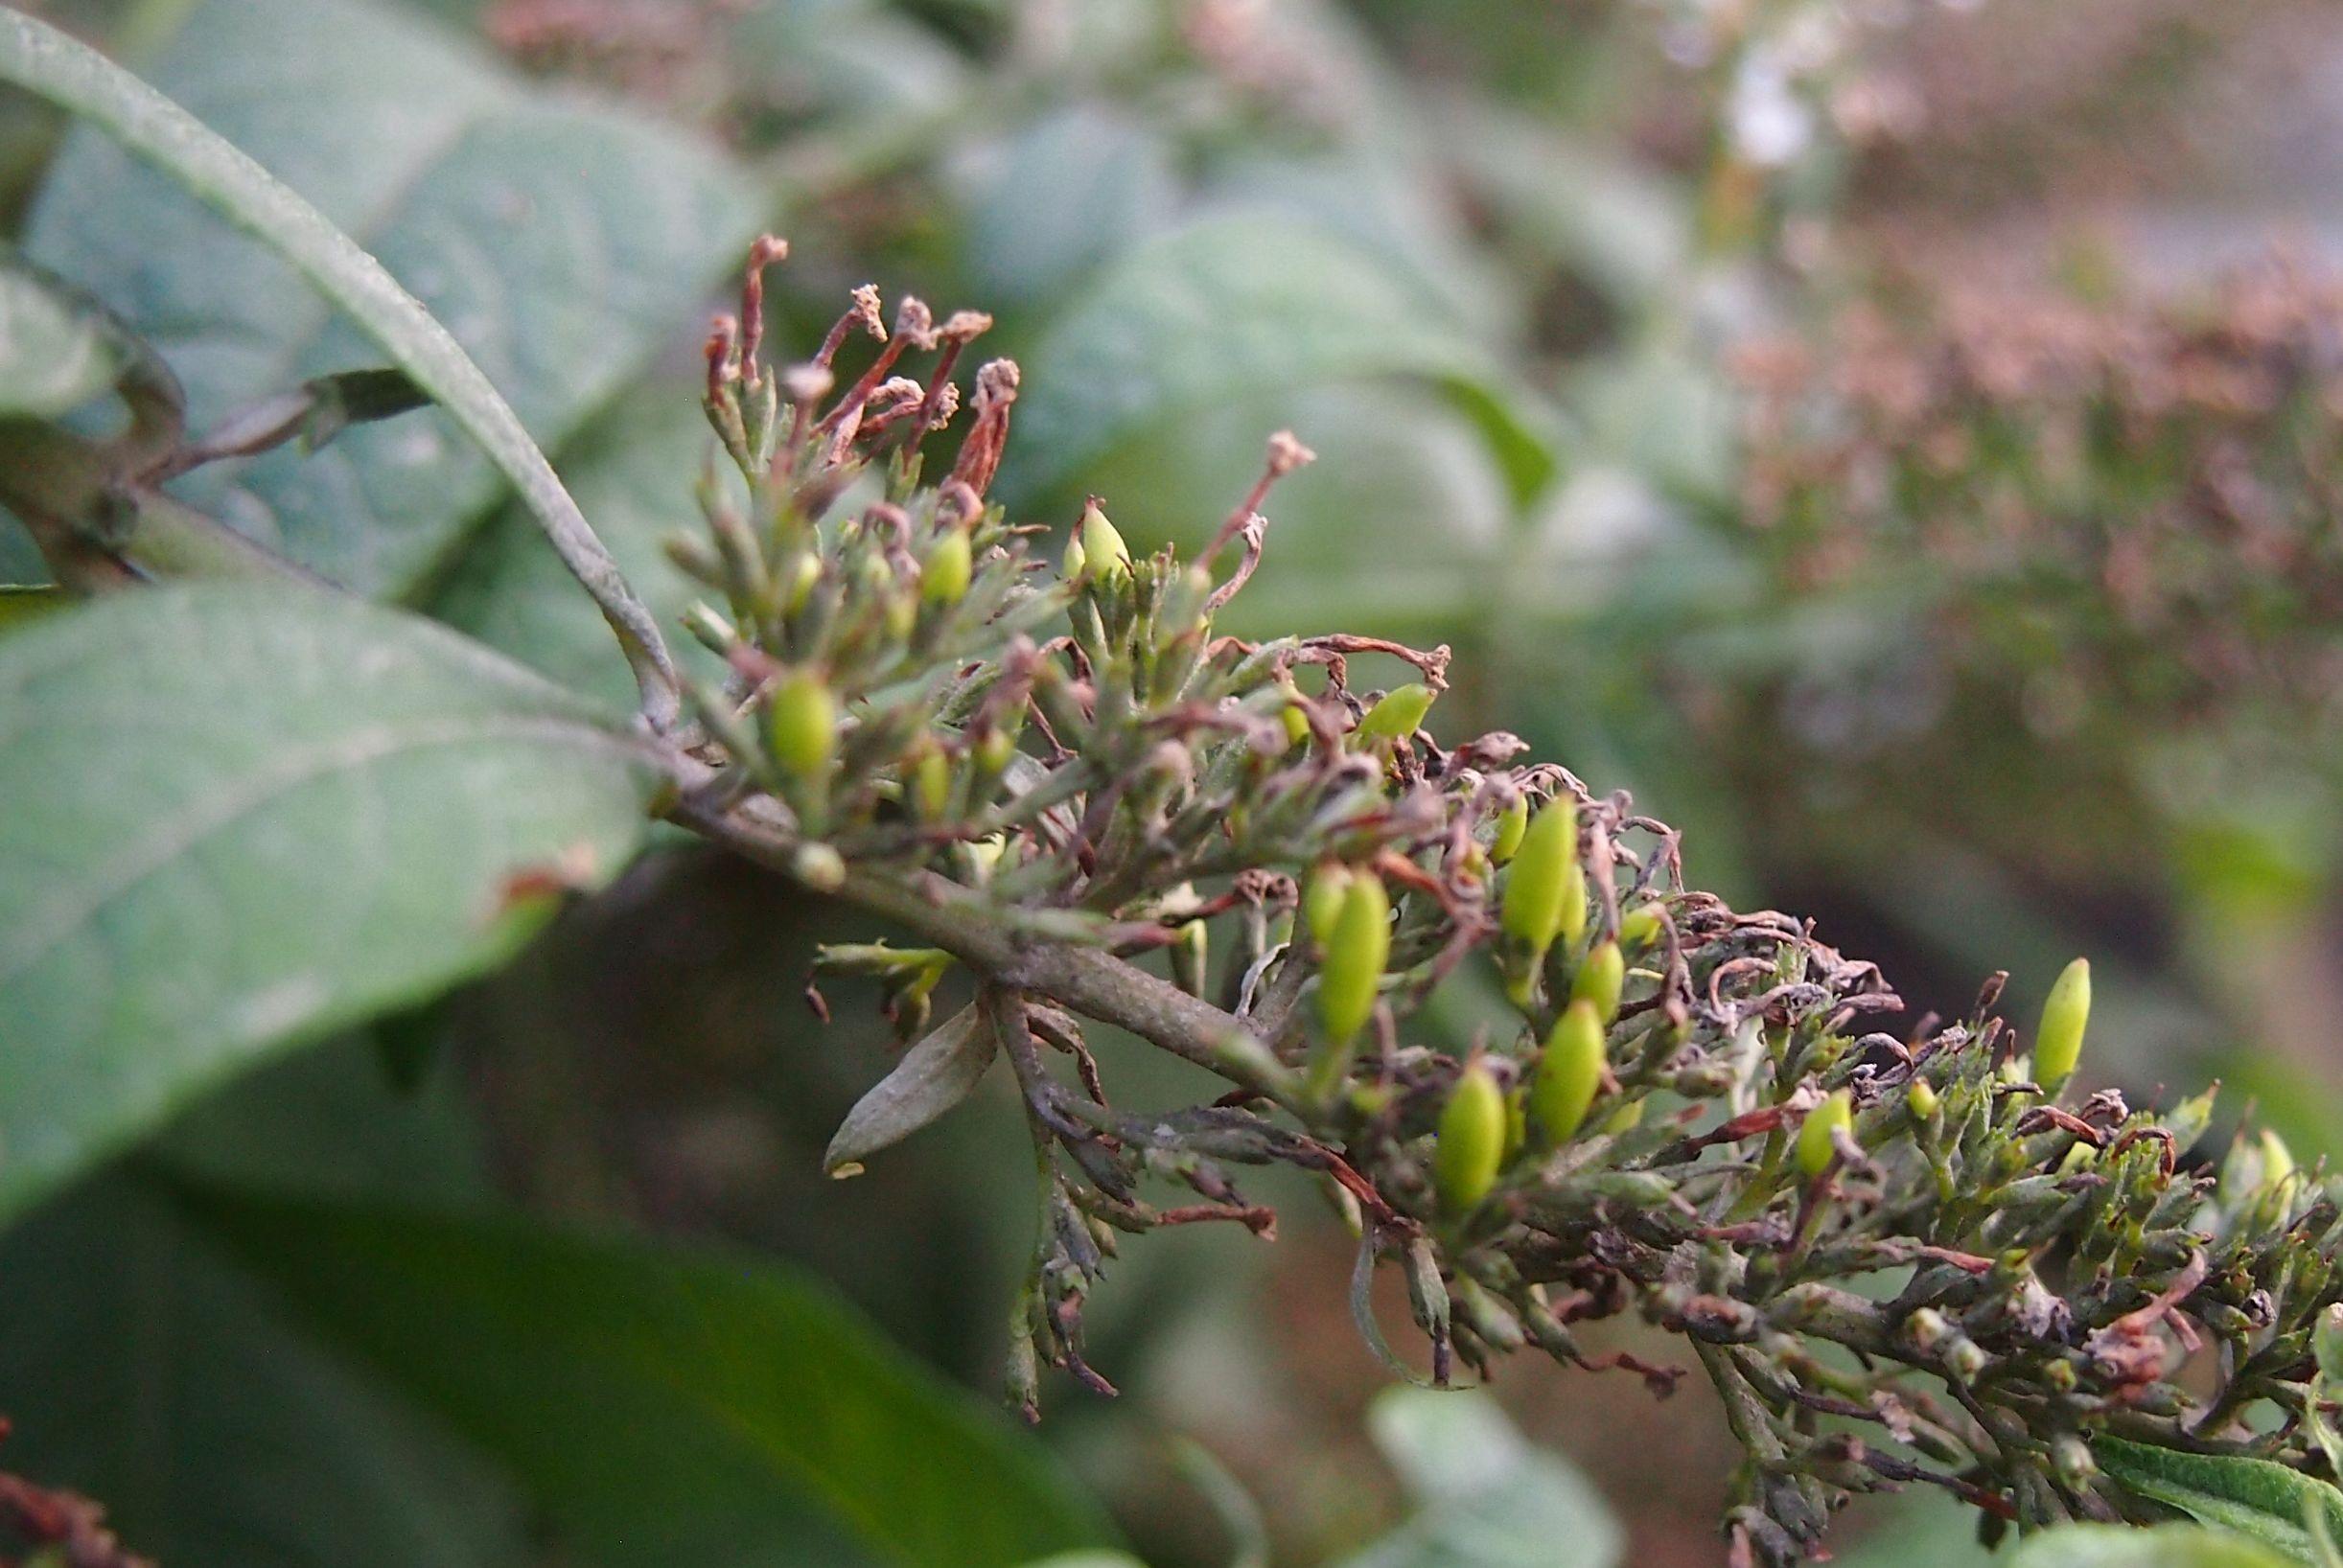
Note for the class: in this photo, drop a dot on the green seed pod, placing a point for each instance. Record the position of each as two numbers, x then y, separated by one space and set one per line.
1600 978
1626 1118
1639 927
1101 544
2327 1342
2277 1160
950 566
1472 1142
1570 1074
1532 911
1510 827
1322 893
2059 1037
1355 949
802 726
1924 1099
1815 1149
1573 905
930 783
1398 714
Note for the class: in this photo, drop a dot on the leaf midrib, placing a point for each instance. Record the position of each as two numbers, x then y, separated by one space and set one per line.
173 837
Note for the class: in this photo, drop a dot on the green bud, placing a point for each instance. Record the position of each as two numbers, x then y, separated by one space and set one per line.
1071 564
1292 717
1472 1142
819 867
1350 976
993 749
1398 714
2065 1013
2326 1343
802 726
1532 912
950 566
1322 896
1639 927
2071 1456
1101 544
1191 958
1570 1072
807 573
1815 1146
1924 1099
1510 827
1600 978
931 782
1573 905
2277 1160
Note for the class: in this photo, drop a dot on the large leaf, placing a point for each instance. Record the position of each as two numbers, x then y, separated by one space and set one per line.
2166 1546
561 245
1238 306
1491 1499
237 818
2257 1498
144 1367
665 1406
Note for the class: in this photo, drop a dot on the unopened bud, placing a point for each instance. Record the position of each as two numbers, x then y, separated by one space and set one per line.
1924 1099
1398 714
1511 825
1816 1147
1639 927
1471 1140
819 867
1535 888
2065 1014
1600 978
1570 1072
1102 549
802 726
949 567
1350 976
1322 895
993 749
930 783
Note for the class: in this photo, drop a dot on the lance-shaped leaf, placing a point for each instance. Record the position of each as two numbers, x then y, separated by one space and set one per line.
2120 1546
2257 1498
934 1076
238 817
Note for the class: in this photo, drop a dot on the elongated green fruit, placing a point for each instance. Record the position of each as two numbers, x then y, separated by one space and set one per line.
1470 1147
1600 978
802 726
2065 1014
1102 549
1398 714
1322 899
1573 905
1347 980
1510 827
950 566
1535 888
1815 1149
1570 1072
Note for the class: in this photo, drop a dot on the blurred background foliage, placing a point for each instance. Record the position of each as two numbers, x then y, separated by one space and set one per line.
1894 440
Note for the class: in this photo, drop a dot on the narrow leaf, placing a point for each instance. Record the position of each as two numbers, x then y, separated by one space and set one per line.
2254 1497
2120 1546
934 1076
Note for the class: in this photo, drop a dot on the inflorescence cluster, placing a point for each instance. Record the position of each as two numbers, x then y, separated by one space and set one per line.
1898 1257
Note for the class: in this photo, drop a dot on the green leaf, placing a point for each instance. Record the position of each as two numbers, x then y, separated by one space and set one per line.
664 1405
143 1368
1238 306
2166 1546
2254 1497
240 817
1492 1499
562 243
54 356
